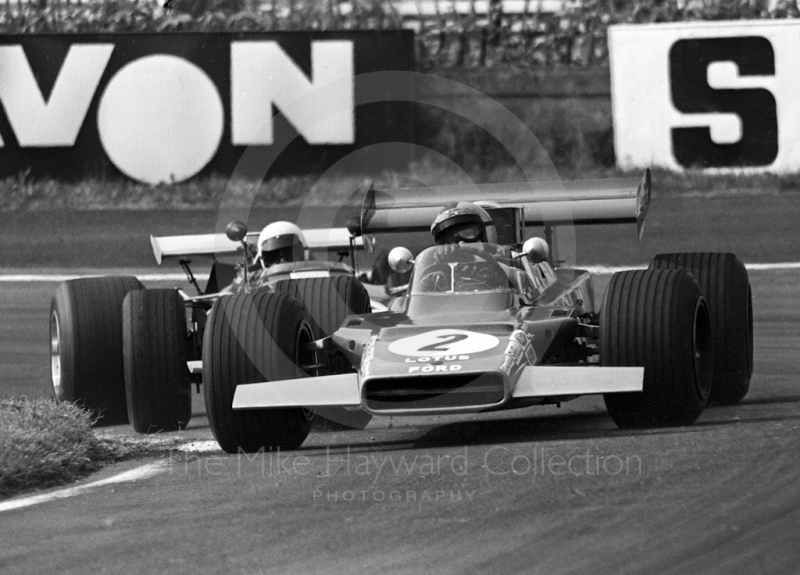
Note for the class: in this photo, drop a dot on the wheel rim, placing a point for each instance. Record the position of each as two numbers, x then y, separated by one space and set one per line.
55 354
702 349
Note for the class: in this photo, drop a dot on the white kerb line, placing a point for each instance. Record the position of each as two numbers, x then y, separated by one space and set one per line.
142 472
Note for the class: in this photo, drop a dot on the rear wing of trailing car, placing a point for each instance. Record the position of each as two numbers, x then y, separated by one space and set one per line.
607 201
321 239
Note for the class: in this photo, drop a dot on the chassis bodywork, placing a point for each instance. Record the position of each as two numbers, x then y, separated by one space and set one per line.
530 339
475 348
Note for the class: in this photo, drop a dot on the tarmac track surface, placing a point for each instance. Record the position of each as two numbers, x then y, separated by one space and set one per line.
540 490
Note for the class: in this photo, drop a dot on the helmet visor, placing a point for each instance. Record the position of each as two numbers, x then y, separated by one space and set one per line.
272 257
467 232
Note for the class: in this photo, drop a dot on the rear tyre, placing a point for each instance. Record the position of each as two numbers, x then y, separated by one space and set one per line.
86 365
659 320
155 351
726 287
252 338
328 301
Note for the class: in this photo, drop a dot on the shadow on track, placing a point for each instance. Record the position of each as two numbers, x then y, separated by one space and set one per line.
542 429
505 431
764 401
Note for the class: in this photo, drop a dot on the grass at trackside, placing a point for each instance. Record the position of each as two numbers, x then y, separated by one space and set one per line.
108 225
97 224
44 443
23 194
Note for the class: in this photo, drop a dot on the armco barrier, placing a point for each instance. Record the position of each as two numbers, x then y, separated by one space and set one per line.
167 107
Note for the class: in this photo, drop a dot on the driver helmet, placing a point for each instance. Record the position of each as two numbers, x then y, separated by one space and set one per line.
281 242
463 222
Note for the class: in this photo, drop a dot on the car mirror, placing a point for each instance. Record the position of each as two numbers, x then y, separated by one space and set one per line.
401 260
536 250
354 227
236 231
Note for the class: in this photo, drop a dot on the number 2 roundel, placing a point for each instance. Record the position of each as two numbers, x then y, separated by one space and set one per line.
443 342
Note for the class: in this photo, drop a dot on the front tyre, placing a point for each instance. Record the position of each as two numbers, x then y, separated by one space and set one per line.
328 301
86 365
726 287
155 351
252 338
659 320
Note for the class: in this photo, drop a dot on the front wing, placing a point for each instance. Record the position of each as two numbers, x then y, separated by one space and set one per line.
345 390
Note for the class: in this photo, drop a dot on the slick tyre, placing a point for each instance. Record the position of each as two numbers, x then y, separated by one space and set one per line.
252 338
328 300
726 287
659 320
155 349
86 364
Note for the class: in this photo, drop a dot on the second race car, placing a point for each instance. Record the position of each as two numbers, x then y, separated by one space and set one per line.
132 354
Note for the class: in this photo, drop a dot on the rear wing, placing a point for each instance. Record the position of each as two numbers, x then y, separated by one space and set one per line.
331 239
607 201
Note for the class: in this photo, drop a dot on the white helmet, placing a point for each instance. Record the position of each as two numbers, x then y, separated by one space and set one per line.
281 242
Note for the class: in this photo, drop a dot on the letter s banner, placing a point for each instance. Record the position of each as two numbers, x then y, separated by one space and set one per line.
689 61
717 96
166 107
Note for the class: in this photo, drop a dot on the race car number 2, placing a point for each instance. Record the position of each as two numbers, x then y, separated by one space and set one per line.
443 342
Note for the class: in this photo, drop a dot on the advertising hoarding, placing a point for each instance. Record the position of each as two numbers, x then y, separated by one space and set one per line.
718 96
167 107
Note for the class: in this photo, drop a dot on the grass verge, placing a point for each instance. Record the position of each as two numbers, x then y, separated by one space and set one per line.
23 194
44 443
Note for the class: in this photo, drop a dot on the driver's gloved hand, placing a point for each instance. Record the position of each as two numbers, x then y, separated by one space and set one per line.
445 252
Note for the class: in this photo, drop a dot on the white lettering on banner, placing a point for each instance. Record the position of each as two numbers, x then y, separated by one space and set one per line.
57 121
321 108
160 119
